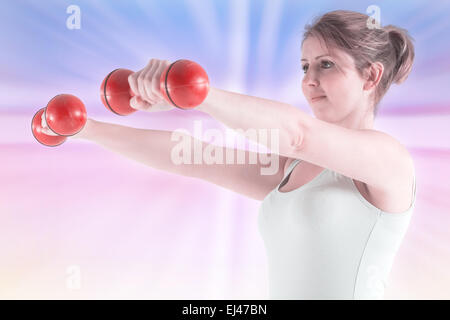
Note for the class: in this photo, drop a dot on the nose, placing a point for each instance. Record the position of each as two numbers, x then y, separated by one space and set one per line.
310 79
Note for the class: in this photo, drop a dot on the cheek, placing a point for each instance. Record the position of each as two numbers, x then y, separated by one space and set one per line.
344 89
331 84
353 91
304 85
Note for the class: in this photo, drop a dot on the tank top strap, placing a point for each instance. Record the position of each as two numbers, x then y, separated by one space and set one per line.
291 167
414 184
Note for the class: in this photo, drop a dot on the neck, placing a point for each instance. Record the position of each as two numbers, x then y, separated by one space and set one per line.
358 120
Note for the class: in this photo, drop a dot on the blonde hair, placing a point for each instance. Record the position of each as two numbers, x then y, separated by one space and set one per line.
348 31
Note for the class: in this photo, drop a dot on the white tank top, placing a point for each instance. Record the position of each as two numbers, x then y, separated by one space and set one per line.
324 240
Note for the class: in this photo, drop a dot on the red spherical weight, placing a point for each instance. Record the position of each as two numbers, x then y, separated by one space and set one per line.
115 92
36 129
184 84
65 114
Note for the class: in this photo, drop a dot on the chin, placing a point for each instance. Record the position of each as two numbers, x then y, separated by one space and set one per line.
324 115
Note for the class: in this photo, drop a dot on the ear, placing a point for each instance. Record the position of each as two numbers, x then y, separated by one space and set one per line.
373 75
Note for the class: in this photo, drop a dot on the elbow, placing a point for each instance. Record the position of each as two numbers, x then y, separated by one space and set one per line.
296 140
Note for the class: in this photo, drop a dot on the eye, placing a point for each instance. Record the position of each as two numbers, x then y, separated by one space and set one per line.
304 68
324 63
329 63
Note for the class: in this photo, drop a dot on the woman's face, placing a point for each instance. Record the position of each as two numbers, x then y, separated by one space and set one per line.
332 75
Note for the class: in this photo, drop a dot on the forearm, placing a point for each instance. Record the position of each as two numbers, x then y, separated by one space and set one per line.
150 147
238 111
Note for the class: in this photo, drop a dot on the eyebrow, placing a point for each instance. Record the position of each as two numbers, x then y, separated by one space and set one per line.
324 55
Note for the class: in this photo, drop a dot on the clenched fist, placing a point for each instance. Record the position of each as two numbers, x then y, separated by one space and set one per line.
145 84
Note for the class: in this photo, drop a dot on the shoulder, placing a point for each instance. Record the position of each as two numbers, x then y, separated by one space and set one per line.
403 180
397 194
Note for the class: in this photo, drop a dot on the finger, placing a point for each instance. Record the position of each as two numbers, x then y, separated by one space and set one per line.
141 85
132 81
137 103
48 132
44 127
156 84
149 77
43 122
134 103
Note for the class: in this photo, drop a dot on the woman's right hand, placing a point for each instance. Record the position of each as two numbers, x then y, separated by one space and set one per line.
80 135
145 85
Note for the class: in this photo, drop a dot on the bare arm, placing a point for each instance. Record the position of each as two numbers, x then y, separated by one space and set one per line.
154 148
245 114
238 111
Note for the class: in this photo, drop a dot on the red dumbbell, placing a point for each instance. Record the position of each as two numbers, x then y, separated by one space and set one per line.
65 115
184 84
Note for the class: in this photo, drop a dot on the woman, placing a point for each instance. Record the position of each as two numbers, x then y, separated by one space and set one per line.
334 215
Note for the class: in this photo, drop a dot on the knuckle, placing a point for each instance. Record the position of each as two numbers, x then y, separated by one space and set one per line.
134 104
149 77
149 89
155 88
132 78
154 82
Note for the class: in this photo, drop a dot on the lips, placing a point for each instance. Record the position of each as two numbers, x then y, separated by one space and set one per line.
317 98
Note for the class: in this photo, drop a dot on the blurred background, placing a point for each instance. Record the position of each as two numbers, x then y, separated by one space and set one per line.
80 222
